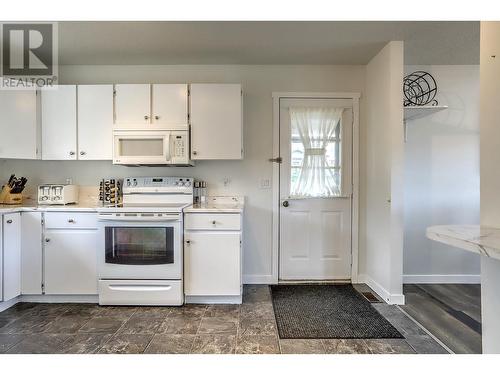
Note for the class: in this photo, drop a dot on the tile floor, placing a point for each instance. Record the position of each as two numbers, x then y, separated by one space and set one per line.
224 329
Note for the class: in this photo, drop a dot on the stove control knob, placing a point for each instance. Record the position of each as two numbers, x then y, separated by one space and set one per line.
128 182
135 182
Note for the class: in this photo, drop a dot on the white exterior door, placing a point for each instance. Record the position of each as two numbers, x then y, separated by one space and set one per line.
18 121
132 105
11 256
95 122
315 189
59 123
216 122
170 105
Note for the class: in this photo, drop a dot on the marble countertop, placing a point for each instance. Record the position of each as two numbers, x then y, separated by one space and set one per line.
478 239
218 204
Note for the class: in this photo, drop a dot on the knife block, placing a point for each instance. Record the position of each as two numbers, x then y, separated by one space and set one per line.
6 197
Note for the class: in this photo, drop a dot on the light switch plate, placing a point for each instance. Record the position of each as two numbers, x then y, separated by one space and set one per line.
265 183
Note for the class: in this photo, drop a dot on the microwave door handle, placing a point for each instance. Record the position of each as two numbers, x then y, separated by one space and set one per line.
168 155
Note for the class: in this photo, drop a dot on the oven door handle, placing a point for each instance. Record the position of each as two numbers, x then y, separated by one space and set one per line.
141 219
140 288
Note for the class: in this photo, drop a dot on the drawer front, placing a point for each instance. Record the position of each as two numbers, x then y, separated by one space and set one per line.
208 221
141 292
70 220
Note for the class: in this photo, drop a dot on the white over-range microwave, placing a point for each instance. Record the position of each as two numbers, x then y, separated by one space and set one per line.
151 147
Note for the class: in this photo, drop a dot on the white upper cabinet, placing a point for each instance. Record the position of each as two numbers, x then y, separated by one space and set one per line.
59 123
132 105
216 121
95 122
19 126
170 104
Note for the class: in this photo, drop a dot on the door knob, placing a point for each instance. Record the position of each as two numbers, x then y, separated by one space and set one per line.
285 204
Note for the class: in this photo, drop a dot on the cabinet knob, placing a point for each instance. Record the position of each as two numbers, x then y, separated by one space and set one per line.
71 221
146 117
285 204
214 222
188 242
9 221
72 152
47 240
83 153
157 117
195 153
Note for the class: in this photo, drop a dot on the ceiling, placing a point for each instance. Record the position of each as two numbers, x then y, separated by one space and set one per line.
158 43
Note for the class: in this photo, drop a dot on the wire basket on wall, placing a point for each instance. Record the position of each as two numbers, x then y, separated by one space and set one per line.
419 89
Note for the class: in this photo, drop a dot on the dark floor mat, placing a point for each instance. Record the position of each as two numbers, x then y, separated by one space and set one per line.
327 311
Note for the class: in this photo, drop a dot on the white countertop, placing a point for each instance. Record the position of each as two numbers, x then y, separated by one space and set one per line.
33 206
475 238
218 205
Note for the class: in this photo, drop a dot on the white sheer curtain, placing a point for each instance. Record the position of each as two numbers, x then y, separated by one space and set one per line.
315 127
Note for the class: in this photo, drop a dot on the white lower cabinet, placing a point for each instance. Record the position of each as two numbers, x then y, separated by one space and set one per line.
212 259
31 252
11 255
70 255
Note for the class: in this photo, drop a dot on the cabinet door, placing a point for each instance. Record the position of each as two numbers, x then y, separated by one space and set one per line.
70 262
11 256
19 121
212 263
59 123
31 253
216 122
170 105
132 105
95 122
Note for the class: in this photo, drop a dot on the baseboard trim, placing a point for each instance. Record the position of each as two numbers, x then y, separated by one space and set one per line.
8 304
230 300
60 298
258 279
442 279
391 299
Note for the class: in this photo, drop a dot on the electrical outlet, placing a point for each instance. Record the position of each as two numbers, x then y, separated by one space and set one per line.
265 183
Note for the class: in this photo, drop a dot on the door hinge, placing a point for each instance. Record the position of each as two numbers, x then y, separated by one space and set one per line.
278 160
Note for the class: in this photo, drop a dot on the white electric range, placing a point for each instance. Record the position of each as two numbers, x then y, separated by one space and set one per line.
140 259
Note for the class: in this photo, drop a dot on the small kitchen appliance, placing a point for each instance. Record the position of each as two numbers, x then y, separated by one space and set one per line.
140 249
58 194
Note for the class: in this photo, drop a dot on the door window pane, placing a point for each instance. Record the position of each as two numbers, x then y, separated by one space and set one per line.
315 167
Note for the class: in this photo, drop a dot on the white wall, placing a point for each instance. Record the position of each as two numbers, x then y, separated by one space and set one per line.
490 179
442 178
381 235
258 84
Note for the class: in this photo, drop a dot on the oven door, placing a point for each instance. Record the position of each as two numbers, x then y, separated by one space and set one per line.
134 247
141 147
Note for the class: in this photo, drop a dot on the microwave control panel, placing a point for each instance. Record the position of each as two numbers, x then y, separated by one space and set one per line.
180 145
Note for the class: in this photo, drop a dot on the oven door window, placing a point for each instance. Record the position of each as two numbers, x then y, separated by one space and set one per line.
139 245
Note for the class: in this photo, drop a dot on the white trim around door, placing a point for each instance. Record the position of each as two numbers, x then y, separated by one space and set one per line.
355 173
